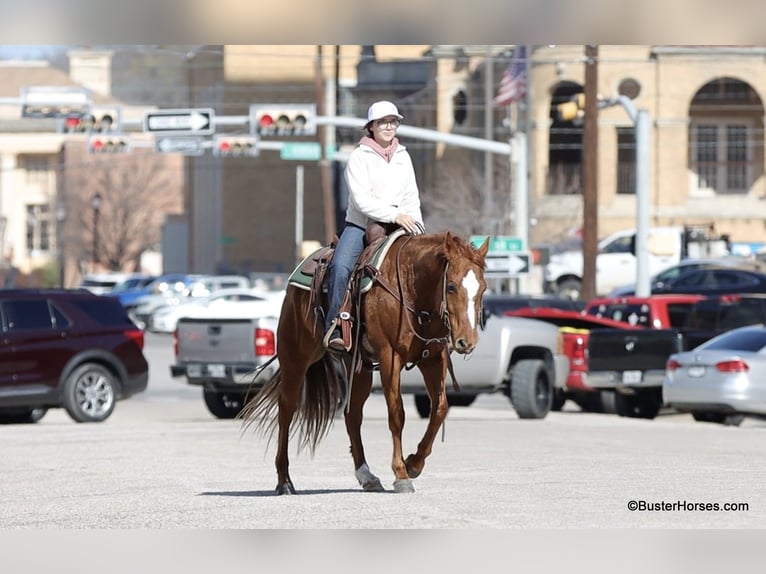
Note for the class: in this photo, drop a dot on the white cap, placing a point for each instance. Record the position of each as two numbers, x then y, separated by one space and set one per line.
381 110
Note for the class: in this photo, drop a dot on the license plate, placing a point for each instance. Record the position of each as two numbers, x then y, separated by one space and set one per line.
194 370
696 371
216 370
631 377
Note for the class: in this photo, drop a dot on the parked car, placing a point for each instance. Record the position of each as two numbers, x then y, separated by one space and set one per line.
66 348
659 280
722 380
498 303
161 284
193 288
135 281
224 302
100 283
716 281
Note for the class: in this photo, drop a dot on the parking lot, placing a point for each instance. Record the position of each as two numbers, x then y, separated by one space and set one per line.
162 461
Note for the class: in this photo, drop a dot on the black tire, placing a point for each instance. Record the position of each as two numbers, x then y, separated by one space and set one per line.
731 419
643 405
90 393
531 389
223 405
607 401
559 398
569 289
423 403
21 416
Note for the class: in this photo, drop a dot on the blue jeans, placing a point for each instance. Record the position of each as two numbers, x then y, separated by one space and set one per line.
347 252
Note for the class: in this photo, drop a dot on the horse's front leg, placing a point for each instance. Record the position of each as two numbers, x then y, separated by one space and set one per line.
360 392
433 374
390 373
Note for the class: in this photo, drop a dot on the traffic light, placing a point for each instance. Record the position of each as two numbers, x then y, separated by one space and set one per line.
283 119
109 144
572 110
97 119
235 146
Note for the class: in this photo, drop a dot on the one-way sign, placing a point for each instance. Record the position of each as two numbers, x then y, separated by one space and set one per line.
506 265
180 122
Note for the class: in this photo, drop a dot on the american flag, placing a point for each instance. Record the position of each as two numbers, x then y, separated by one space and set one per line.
513 84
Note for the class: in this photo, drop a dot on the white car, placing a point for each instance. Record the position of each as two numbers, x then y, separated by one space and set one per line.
235 302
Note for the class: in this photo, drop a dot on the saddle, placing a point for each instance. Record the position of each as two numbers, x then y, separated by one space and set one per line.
310 274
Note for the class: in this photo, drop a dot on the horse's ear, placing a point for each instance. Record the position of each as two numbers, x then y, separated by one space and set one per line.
484 247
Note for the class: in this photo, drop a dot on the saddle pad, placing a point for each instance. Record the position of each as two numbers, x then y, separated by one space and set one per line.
303 281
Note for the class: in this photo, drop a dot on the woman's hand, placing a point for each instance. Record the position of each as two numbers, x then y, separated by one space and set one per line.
408 223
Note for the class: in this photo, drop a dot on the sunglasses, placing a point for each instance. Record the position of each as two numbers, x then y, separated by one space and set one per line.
387 122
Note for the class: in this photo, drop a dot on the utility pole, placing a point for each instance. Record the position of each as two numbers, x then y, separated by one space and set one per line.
324 164
590 174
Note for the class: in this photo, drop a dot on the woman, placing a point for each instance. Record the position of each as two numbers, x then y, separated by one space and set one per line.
381 187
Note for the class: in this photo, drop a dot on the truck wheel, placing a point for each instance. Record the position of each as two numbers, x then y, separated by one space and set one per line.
569 289
223 405
531 389
643 405
731 420
423 403
89 393
22 416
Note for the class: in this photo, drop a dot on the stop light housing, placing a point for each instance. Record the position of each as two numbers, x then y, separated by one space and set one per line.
104 144
97 119
283 119
572 110
235 146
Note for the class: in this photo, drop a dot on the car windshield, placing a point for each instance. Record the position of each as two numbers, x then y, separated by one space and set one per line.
752 340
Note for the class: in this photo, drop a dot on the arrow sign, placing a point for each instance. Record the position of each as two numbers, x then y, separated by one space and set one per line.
506 264
179 122
182 145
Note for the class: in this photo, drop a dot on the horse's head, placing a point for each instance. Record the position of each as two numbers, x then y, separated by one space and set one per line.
463 289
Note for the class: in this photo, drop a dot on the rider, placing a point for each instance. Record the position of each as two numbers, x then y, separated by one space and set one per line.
381 187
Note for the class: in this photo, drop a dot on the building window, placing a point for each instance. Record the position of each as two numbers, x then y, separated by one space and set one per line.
38 228
38 169
626 160
721 157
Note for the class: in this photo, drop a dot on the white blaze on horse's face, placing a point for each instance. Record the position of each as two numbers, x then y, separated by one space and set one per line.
471 285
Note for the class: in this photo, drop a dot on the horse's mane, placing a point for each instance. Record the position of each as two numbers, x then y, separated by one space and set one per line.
464 248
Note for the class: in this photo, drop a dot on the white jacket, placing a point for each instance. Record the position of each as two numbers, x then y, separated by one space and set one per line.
379 190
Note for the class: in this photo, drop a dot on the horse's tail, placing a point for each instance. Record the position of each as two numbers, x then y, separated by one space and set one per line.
321 396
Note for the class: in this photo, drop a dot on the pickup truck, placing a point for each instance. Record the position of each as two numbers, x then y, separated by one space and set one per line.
522 358
220 355
631 364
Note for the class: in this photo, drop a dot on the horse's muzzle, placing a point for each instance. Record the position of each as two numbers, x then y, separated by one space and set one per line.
463 346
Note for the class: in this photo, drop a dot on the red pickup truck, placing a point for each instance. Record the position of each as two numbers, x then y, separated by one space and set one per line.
653 312
574 327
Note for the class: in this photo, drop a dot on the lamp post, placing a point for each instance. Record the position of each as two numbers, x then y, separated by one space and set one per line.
95 203
60 221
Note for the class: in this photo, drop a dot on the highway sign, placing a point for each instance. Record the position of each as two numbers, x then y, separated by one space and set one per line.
183 145
500 243
301 151
180 122
501 265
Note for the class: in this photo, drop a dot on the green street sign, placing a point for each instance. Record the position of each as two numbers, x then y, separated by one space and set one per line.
500 243
301 151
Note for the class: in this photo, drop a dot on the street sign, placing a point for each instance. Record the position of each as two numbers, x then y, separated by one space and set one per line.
500 243
301 151
180 122
500 265
183 145
54 101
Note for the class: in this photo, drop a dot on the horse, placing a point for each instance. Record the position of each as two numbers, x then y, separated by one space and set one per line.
424 302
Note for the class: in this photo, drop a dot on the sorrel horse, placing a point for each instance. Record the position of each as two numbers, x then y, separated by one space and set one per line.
425 301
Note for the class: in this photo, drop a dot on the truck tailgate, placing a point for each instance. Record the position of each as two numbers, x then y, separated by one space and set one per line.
618 350
218 340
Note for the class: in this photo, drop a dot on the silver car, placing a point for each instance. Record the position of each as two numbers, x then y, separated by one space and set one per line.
722 380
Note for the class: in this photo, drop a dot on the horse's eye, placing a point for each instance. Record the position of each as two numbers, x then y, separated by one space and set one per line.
451 288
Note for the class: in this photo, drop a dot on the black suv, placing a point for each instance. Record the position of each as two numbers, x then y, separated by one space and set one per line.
66 348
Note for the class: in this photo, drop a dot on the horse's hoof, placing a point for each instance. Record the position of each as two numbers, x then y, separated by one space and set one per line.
285 488
411 472
373 486
403 485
